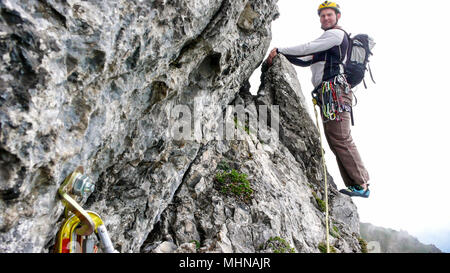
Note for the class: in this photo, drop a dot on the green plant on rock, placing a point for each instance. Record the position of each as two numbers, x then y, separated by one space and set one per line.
335 228
363 245
236 122
197 244
278 245
237 125
320 202
334 232
323 248
235 183
247 129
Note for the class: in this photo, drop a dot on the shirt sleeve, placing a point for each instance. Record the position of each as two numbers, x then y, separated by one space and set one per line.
328 40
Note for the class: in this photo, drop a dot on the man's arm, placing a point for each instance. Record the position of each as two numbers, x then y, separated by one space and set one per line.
328 40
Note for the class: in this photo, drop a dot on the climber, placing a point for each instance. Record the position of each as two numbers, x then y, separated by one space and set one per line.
326 56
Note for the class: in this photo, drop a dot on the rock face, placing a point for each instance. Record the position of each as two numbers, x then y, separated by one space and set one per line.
95 84
284 173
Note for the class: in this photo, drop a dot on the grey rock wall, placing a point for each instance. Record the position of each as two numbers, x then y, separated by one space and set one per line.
94 84
286 178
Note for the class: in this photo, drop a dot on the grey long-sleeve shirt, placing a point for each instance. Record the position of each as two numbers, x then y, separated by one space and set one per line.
328 40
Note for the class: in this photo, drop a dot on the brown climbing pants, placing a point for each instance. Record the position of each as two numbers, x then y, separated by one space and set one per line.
339 139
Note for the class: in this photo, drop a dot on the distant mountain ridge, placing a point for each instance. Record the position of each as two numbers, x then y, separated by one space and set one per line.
392 241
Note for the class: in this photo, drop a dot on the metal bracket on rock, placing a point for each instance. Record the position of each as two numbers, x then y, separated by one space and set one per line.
77 184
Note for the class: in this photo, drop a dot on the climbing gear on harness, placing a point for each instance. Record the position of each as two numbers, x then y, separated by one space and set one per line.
329 4
329 98
82 230
357 191
325 178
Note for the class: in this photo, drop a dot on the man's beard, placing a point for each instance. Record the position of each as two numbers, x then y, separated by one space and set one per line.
330 27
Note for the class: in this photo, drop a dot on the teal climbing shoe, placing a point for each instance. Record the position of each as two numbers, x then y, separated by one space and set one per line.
356 191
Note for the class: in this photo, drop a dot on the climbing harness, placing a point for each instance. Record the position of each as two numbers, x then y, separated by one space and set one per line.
82 230
329 97
325 177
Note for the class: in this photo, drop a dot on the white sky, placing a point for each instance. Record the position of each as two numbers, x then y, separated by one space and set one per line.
401 123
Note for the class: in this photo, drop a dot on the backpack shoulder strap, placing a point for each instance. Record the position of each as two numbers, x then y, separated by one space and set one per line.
340 28
349 42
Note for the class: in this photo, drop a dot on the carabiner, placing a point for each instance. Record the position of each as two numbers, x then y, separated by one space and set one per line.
332 116
68 241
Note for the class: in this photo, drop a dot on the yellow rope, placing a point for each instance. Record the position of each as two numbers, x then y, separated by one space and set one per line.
325 175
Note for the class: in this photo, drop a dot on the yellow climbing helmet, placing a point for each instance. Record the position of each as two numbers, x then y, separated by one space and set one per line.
329 4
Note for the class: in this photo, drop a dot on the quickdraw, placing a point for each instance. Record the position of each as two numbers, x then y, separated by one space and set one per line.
82 230
329 98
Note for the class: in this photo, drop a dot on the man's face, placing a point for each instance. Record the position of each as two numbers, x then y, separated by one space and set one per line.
328 18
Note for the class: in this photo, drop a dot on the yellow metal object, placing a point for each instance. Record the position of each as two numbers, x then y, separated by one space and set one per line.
71 204
68 241
76 234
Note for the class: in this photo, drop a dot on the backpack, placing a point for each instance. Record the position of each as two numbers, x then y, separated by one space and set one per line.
359 50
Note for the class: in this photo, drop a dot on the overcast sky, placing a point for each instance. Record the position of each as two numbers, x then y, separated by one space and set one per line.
401 123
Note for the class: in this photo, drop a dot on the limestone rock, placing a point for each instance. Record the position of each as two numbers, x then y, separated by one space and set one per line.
285 181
